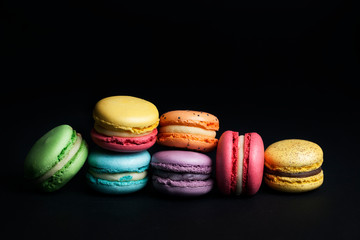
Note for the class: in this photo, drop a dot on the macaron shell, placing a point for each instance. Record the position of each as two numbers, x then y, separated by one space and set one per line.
187 141
224 162
115 187
293 185
293 155
122 144
103 161
190 118
182 188
126 113
64 175
255 166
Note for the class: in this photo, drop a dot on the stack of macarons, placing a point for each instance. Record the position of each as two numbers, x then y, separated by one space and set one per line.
126 127
185 172
125 124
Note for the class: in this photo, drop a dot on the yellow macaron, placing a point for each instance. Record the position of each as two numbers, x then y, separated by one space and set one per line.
125 124
293 165
125 114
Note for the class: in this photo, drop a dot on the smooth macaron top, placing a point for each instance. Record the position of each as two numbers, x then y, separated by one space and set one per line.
293 156
103 161
47 151
126 113
182 161
190 118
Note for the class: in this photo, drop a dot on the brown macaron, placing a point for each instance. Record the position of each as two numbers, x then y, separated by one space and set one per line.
188 129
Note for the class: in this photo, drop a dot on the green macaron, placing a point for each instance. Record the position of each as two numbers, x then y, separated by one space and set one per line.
55 158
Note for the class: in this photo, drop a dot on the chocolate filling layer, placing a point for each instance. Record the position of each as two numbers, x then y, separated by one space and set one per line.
294 175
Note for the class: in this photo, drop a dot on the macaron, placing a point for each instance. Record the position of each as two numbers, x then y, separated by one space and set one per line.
125 124
55 158
293 165
117 173
239 163
181 173
187 129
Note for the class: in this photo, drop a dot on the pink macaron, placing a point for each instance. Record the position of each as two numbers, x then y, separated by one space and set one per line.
124 144
239 163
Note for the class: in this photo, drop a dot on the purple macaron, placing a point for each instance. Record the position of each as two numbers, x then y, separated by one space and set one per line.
182 173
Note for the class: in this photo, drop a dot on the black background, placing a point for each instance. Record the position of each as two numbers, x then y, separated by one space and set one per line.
284 70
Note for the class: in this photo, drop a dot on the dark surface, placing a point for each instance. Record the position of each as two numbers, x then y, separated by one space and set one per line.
284 70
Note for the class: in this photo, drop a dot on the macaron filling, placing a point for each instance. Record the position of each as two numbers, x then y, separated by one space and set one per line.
118 133
184 168
181 176
293 175
239 180
65 156
187 129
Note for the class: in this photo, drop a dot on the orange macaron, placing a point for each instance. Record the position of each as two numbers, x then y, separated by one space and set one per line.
193 130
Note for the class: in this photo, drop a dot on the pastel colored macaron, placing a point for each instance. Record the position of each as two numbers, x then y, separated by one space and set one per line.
239 163
125 124
117 173
293 165
55 158
182 173
187 129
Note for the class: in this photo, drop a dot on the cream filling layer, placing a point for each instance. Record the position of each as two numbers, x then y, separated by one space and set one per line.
119 133
62 162
240 161
186 129
122 177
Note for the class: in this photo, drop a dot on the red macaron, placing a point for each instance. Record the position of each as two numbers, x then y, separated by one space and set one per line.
239 163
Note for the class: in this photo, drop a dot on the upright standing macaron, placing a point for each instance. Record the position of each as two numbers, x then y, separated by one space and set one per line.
293 165
239 163
125 124
117 173
187 129
182 173
55 158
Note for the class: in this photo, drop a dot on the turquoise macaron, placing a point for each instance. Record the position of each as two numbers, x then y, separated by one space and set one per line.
55 158
117 173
